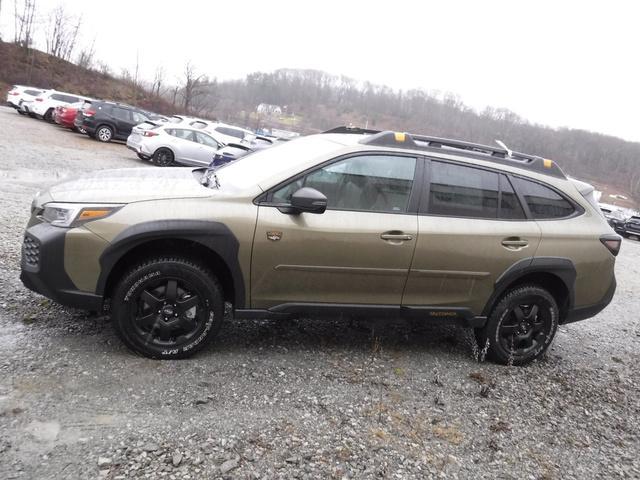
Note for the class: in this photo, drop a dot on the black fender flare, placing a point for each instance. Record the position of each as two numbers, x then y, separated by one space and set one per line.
561 267
215 236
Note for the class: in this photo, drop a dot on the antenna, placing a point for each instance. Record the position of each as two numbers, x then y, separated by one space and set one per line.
509 151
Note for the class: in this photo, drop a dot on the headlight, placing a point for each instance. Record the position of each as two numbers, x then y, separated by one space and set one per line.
74 214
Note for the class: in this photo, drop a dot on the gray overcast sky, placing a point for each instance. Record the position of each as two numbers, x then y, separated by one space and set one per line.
559 63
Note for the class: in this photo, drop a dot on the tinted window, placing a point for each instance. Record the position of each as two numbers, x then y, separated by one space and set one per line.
461 191
70 98
510 207
56 96
206 140
543 202
232 132
33 92
370 182
138 117
121 114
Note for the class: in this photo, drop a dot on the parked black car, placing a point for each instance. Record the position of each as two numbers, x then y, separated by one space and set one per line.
631 227
106 121
615 218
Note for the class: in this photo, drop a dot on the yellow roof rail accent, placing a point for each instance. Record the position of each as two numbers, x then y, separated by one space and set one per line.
400 137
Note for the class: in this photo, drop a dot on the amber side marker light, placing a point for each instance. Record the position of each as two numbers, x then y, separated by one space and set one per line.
612 242
93 213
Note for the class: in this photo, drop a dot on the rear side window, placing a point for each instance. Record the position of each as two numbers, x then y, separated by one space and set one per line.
510 207
543 202
121 114
184 134
33 92
459 191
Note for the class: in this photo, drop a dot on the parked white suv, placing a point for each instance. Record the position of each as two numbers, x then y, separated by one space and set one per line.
44 104
21 93
229 133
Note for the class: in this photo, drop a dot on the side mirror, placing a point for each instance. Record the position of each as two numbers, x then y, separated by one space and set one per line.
308 200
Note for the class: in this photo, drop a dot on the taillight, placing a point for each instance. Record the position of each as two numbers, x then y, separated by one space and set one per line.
89 113
39 99
148 133
612 242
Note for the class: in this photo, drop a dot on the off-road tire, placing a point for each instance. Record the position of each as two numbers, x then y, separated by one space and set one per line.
497 331
130 307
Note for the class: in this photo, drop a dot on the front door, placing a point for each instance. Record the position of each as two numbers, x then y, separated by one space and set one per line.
357 252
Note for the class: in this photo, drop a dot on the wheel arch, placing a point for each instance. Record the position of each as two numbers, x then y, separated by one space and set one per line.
210 243
555 274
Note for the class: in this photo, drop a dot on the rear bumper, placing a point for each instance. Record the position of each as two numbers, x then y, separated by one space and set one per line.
43 272
588 311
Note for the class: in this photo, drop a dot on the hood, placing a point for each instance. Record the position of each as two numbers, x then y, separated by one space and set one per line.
128 185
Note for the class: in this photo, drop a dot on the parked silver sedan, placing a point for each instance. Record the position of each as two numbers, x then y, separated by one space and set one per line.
168 145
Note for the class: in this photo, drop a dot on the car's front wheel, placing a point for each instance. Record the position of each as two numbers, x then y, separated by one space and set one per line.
167 308
104 133
521 326
163 157
48 115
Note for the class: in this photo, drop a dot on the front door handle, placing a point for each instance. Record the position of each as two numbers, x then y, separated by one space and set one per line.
514 243
395 236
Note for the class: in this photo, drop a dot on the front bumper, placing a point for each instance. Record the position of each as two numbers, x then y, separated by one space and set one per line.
43 269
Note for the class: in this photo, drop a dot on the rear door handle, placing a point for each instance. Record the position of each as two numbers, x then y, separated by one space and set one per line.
514 243
394 235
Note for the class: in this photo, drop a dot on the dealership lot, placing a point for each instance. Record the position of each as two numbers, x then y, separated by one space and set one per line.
304 398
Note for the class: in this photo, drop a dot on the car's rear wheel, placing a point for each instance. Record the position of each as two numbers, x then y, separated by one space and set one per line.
163 157
48 115
521 326
104 133
167 308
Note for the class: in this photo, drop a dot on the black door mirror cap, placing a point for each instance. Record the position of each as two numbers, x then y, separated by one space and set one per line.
308 200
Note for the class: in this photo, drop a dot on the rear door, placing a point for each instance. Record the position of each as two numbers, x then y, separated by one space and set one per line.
472 227
123 121
184 145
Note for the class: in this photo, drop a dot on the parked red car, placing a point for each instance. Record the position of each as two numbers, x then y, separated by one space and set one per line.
65 115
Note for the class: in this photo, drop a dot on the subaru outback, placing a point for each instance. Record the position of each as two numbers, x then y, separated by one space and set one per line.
352 221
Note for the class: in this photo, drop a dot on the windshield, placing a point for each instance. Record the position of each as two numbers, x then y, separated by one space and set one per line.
280 159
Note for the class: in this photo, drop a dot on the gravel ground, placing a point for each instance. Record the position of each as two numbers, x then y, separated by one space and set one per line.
296 399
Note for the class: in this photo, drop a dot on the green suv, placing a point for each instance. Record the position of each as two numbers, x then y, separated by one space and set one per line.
347 222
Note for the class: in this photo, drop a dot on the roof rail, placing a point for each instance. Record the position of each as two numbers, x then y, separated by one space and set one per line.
350 129
458 147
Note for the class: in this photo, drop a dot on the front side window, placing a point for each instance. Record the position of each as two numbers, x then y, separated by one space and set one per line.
543 202
206 140
460 191
138 117
380 183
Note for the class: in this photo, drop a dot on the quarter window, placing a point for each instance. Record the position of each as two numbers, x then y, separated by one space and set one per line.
380 183
460 191
543 202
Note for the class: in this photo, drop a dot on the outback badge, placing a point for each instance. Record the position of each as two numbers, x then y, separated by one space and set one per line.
274 236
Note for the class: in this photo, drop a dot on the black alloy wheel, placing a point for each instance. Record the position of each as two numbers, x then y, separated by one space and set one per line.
163 157
167 308
521 326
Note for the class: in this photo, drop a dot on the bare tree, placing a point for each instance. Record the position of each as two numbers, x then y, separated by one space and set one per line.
158 81
192 90
62 33
23 22
86 56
